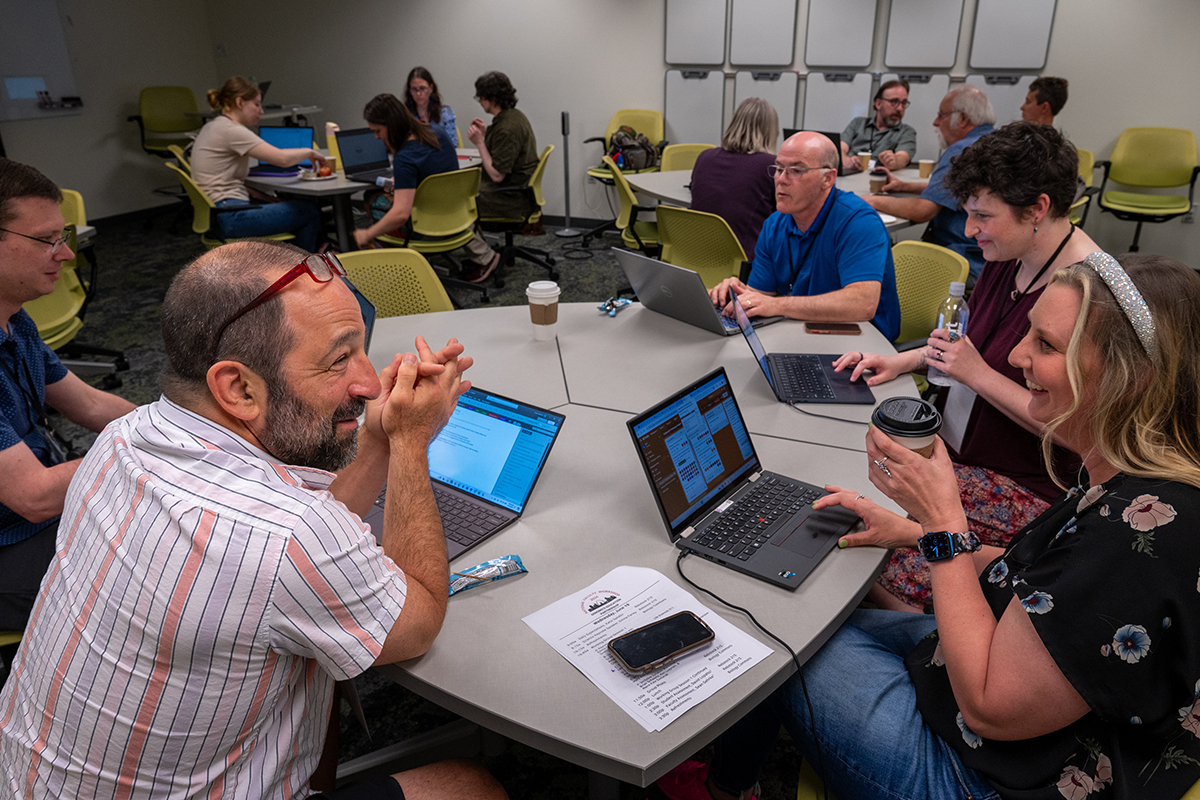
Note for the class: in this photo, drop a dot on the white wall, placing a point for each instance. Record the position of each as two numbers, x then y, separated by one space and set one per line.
117 47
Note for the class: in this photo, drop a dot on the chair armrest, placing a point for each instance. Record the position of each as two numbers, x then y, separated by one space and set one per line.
134 118
599 139
1106 164
1192 187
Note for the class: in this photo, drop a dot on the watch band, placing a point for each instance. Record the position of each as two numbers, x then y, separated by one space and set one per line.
944 545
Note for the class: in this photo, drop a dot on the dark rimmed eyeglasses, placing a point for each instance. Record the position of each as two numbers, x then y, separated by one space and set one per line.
898 103
56 245
321 267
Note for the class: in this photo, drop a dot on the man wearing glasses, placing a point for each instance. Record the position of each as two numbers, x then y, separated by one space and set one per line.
215 577
824 255
890 141
34 473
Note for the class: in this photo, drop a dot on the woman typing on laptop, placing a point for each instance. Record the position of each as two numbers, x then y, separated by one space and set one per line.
221 161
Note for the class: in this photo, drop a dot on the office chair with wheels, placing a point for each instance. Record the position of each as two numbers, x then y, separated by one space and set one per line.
681 156
511 226
1152 158
163 118
181 157
643 121
923 275
443 219
637 235
699 241
203 210
397 280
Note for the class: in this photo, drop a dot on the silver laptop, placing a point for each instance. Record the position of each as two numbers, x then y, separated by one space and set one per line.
678 292
364 158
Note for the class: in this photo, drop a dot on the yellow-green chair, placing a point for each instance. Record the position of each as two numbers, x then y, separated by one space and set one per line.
681 156
399 281
74 213
511 226
1087 172
10 637
203 210
636 234
923 275
165 114
443 219
1077 213
181 157
699 241
458 136
810 786
1151 158
642 120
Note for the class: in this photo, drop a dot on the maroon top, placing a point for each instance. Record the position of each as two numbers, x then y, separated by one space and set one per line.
993 440
736 187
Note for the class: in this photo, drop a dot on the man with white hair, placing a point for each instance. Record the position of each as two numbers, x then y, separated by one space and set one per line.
964 115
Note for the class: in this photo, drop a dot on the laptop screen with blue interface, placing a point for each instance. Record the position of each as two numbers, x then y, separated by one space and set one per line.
285 138
493 448
694 446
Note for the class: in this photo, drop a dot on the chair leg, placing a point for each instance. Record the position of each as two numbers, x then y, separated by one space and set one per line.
1137 233
611 225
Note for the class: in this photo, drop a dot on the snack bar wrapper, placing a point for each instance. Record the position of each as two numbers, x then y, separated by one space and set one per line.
484 573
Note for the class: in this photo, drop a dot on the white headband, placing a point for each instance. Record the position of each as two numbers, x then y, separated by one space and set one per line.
1128 298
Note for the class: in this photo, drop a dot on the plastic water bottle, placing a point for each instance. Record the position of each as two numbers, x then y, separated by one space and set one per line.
952 317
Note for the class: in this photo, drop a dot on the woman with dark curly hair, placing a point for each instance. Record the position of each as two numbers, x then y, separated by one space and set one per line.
508 149
1016 185
425 102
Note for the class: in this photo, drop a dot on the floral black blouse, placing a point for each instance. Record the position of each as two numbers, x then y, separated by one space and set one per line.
1111 581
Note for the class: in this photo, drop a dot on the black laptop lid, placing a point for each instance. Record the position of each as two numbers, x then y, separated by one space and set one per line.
832 136
360 151
695 449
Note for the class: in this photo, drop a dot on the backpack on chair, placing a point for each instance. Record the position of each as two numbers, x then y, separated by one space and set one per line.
631 150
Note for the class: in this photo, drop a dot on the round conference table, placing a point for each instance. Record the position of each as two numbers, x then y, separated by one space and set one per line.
592 511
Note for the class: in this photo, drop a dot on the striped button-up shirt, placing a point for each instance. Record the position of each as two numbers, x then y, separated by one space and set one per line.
203 600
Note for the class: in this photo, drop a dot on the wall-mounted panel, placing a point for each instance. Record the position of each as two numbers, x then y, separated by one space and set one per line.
1007 93
831 100
1011 34
925 93
695 32
923 34
840 33
694 107
763 33
777 88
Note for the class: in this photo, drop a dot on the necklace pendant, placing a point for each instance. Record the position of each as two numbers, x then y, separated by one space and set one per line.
1013 294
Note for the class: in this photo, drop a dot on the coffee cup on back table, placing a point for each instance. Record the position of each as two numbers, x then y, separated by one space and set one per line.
543 308
864 158
909 421
925 165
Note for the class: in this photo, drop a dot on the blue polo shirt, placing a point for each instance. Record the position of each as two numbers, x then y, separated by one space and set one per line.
946 228
846 243
416 160
22 349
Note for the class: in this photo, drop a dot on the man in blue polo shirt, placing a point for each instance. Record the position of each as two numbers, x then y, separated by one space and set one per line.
33 477
824 255
965 114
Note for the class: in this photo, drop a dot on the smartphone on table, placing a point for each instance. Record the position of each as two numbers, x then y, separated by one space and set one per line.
654 645
843 328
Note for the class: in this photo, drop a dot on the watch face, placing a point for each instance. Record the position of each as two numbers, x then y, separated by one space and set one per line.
937 546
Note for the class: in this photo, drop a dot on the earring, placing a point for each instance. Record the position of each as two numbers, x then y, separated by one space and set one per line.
1035 228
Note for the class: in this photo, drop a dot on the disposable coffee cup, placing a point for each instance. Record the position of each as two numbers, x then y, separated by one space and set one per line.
909 421
864 158
877 180
331 162
925 165
543 308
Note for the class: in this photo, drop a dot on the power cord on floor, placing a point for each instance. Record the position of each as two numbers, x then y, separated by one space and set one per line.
795 659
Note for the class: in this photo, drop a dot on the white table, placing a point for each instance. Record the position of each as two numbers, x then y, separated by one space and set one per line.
592 511
337 189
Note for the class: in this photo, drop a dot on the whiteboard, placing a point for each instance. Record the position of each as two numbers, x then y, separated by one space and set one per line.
829 105
1007 93
33 54
763 32
1011 34
840 33
923 34
925 97
695 105
780 93
695 32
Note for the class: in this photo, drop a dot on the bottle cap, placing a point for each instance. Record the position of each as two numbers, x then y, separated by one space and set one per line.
957 288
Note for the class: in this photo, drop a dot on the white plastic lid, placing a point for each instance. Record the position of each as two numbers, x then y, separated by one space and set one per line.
957 288
542 289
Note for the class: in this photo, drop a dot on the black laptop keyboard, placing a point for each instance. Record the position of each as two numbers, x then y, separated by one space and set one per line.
464 522
800 376
741 530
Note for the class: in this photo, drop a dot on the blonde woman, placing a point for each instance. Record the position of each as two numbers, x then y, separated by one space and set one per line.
221 160
733 181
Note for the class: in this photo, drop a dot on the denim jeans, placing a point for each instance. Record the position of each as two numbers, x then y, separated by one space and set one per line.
868 738
300 217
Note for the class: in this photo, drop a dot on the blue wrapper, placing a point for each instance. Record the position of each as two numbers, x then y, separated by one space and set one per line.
485 573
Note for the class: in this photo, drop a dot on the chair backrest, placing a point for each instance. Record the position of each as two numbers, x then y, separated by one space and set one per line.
164 109
923 275
181 157
624 192
458 136
202 205
72 208
535 180
1087 166
681 156
642 120
397 280
1158 157
1075 212
444 204
699 241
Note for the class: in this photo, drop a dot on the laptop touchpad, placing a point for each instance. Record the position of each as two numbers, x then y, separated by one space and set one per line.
816 529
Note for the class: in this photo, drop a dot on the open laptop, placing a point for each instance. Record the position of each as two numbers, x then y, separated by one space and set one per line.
262 97
284 138
677 292
364 158
483 466
836 138
714 496
803 377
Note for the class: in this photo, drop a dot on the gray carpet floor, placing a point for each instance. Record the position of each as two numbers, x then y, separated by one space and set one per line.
137 263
